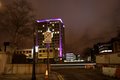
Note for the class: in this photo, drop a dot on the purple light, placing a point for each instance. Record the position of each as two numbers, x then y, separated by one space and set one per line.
60 54
60 45
47 20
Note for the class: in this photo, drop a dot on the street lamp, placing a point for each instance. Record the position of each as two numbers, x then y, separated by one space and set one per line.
34 55
48 35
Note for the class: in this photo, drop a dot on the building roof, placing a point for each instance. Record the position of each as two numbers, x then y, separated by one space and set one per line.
47 20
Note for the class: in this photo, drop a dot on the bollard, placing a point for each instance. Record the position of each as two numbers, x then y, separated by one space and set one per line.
46 75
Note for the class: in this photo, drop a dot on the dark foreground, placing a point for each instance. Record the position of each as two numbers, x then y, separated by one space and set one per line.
82 74
53 76
64 74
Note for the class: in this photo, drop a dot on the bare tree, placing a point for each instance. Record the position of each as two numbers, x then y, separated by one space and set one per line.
17 20
87 52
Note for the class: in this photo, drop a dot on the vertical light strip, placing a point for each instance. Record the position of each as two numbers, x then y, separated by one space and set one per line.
60 43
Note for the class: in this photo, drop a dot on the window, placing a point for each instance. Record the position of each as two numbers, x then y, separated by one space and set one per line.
43 25
53 24
20 52
40 55
43 51
39 51
29 51
53 30
30 55
39 30
50 50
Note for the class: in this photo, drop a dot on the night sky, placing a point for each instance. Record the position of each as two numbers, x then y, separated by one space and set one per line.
86 21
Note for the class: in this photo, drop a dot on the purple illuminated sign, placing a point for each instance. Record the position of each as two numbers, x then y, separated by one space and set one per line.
56 19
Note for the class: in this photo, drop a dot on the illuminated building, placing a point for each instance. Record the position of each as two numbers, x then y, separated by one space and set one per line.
116 44
70 57
105 47
112 46
56 26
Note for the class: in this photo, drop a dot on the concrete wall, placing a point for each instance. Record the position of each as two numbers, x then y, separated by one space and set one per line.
115 58
110 64
102 59
24 68
112 72
3 61
109 71
108 58
7 68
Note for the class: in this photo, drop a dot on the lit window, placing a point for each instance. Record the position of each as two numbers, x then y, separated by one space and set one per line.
105 51
43 25
58 48
53 24
36 48
53 30
39 30
58 32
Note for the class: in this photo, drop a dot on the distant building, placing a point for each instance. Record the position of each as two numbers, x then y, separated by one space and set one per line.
111 46
56 26
103 47
41 55
70 57
116 44
104 61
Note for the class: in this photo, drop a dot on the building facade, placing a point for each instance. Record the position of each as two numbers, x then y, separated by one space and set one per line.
105 47
56 26
116 44
112 46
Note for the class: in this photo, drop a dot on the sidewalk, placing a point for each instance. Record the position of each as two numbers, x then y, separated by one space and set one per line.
53 76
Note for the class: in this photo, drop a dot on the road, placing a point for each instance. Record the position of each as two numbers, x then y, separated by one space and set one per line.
81 74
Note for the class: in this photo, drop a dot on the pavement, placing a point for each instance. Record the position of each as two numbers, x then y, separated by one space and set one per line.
52 76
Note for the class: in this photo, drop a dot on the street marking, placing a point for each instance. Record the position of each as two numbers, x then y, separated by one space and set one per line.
60 77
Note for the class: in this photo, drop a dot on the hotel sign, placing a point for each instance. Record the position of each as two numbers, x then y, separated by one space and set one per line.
48 36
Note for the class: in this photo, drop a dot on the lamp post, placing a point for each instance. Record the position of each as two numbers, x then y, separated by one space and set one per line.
48 45
48 39
34 56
